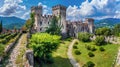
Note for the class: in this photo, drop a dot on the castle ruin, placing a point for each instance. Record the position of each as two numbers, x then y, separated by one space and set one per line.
68 27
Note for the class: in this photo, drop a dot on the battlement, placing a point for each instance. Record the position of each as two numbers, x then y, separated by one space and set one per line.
47 16
89 19
36 7
59 7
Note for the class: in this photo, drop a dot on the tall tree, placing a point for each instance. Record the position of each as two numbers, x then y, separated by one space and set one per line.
55 27
43 44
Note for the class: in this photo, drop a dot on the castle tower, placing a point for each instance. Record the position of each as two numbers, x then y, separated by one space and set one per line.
60 11
37 10
90 23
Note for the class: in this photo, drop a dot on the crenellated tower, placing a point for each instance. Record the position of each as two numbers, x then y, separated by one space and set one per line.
60 11
37 10
90 23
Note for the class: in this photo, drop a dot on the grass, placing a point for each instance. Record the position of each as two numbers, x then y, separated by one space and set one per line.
60 56
101 59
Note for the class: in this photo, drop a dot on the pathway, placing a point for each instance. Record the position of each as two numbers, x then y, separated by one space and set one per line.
70 56
16 51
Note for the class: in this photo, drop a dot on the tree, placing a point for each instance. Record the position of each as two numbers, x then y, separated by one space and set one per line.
43 44
55 27
103 31
100 40
32 17
1 27
116 30
84 36
24 29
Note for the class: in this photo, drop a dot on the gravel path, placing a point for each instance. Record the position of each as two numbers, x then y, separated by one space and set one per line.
15 53
70 56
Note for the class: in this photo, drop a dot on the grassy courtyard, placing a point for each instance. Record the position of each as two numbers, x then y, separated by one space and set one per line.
101 59
60 56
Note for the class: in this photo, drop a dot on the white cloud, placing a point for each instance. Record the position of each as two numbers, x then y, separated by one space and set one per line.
94 8
11 6
26 15
46 9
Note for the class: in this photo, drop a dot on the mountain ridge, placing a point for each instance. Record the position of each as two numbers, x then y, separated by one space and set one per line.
11 22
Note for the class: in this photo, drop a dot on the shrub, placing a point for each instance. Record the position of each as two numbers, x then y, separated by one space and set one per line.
93 49
88 47
91 54
89 64
85 37
75 47
100 40
49 58
43 44
76 42
77 52
101 49
1 49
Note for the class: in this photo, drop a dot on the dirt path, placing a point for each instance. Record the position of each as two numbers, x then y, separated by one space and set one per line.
16 51
70 56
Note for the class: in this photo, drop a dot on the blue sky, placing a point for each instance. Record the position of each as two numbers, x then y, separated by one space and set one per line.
76 9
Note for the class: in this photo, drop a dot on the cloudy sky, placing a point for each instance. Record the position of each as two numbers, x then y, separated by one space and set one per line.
76 9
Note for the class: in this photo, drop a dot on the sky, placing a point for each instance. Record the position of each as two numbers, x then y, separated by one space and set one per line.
76 9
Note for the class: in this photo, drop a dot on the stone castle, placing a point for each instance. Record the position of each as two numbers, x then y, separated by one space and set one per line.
68 27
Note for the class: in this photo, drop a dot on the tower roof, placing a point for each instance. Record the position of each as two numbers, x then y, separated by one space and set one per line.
36 7
59 6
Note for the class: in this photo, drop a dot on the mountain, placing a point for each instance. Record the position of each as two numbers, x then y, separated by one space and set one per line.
11 22
108 22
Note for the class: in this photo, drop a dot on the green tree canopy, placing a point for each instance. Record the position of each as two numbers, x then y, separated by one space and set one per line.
100 40
103 31
43 44
54 27
116 30
84 36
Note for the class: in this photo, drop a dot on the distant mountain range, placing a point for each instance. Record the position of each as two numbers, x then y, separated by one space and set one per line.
11 22
108 22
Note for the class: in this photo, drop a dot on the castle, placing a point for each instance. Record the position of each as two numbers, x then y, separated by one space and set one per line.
68 27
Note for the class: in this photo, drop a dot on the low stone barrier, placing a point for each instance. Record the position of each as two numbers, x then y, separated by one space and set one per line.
30 58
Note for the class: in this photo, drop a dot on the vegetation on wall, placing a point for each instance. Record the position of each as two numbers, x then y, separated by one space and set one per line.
55 27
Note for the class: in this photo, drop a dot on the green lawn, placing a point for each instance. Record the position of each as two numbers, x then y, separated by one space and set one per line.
101 59
60 56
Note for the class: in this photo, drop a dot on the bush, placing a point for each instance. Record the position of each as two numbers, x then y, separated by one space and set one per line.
93 49
101 49
88 47
100 40
85 37
77 52
1 49
89 64
91 54
75 47
76 42
49 58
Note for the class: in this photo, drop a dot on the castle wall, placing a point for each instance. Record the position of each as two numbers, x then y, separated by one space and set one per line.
72 28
